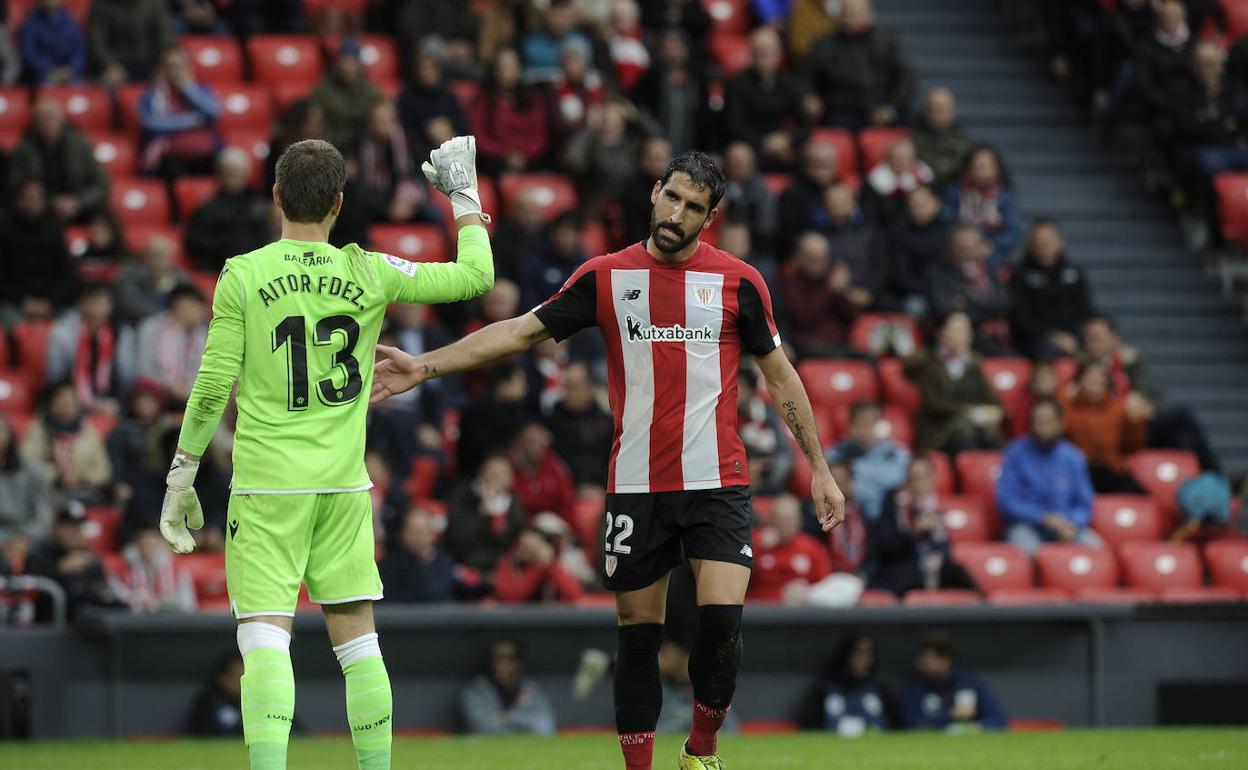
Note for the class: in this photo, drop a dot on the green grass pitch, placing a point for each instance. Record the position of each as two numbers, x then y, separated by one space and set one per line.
1073 750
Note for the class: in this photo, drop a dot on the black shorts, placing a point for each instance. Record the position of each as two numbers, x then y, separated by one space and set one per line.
649 534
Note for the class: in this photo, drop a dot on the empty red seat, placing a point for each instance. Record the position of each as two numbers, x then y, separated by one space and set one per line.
1124 518
896 387
1073 567
1009 378
284 58
88 107
140 200
102 525
415 243
837 384
967 519
1232 192
846 151
944 472
978 471
1116 595
245 107
216 59
16 391
1162 472
115 153
1158 566
380 58
1235 13
943 598
30 341
1024 596
732 16
874 143
873 598
1201 595
14 109
191 192
1228 564
286 93
128 101
872 333
553 194
207 571
995 565
731 52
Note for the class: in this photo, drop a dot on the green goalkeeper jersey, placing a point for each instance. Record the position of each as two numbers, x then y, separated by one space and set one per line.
296 324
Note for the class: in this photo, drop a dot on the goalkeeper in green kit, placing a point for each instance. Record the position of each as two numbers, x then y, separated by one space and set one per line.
296 324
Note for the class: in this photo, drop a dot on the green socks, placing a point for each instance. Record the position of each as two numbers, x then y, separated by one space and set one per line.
268 687
370 705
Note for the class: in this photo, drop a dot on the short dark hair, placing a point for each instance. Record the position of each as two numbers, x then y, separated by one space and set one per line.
702 171
862 406
184 291
310 174
1101 317
1045 401
940 645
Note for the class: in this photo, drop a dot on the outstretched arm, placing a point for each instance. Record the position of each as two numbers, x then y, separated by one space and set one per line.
397 372
789 392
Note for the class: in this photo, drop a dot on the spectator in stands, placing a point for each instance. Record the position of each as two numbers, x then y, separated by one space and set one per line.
764 106
25 497
1107 426
1049 296
416 567
68 446
848 542
581 429
532 572
36 275
673 94
490 422
127 38
58 155
545 272
1044 492
1165 55
898 173
233 221
850 699
817 294
958 409
983 197
939 138
1043 384
66 559
428 109
909 540
602 156
735 239
178 118
801 205
145 284
218 708
879 464
543 48
151 581
92 352
767 448
502 700
483 516
676 718
387 173
509 118
456 24
964 282
346 96
788 561
198 17
1170 426
944 696
917 242
746 197
542 480
634 198
106 243
171 343
859 73
134 451
53 51
809 21
629 56
854 239
305 119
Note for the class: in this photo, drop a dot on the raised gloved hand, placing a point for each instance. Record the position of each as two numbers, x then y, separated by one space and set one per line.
452 168
180 508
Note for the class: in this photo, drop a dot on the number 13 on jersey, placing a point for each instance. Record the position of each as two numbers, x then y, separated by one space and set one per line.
340 330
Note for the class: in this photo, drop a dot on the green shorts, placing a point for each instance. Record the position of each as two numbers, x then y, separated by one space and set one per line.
275 542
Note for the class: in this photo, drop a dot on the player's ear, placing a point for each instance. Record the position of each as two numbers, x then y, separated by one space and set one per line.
710 218
337 205
276 200
654 193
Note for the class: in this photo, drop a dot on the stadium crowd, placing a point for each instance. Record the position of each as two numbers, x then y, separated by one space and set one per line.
965 384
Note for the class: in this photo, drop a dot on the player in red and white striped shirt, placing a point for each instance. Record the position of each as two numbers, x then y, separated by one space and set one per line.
676 314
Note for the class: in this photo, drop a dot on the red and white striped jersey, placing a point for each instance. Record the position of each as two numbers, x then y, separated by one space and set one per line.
674 336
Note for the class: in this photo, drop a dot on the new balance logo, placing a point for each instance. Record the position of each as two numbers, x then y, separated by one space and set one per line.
747 551
639 333
631 294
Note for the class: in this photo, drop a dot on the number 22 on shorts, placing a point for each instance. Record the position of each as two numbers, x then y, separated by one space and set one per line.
624 523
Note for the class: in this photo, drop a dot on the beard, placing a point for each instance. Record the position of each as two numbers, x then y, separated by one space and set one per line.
669 238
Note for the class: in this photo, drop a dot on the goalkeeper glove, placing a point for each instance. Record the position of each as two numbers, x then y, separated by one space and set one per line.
180 508
452 168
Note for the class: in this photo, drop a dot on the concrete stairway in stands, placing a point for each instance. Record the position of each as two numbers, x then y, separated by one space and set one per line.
1194 339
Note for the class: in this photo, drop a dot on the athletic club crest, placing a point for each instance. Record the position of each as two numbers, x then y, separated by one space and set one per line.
610 564
703 295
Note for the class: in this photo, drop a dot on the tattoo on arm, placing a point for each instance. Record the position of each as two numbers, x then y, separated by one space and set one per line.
431 372
794 420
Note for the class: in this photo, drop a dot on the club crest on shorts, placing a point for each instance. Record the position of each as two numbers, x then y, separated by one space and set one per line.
704 295
610 564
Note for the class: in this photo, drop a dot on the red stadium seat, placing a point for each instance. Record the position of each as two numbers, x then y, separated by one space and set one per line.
944 472
284 58
1201 595
14 109
978 472
350 7
1235 13
1012 597
1065 368
967 518
102 525
873 143
115 153
846 151
867 333
588 526
415 243
729 16
777 183
216 59
1009 378
19 422
18 10
191 192
552 193
9 139
87 107
140 200
207 571
1124 518
594 239
30 340
256 143
1232 190
1158 566
763 506
837 384
896 387
731 52
380 58
1228 564
16 391
4 348
422 477
995 566
1161 472
128 100
1073 567
872 598
945 598
1116 596
245 107
114 565
286 93
466 92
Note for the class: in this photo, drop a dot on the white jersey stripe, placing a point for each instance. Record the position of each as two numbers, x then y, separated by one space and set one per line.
704 307
630 293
